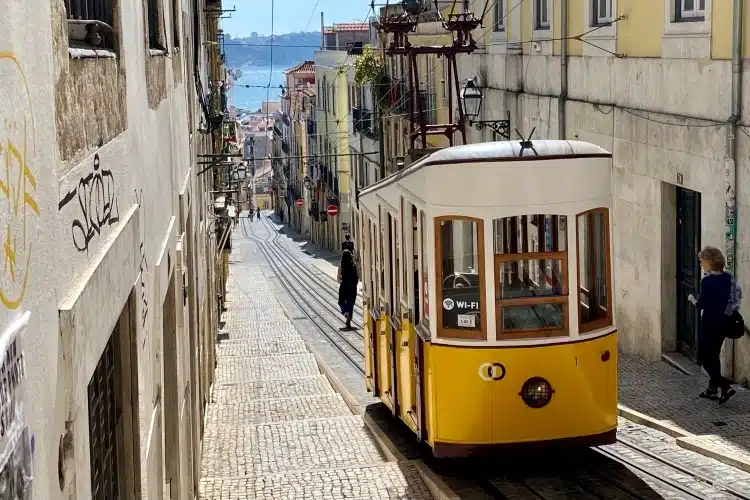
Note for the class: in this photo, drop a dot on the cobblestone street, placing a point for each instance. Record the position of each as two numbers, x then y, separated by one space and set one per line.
275 428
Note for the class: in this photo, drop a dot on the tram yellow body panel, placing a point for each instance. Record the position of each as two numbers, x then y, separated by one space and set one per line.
462 408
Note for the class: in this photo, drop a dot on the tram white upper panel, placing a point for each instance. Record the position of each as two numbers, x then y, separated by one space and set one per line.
495 174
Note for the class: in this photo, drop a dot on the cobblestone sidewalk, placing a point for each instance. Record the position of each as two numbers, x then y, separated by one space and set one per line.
275 428
668 397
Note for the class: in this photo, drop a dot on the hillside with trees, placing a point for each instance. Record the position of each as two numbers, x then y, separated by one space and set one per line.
255 50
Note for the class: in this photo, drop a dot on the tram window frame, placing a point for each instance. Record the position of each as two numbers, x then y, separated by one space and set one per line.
479 254
404 293
381 259
523 255
424 282
605 254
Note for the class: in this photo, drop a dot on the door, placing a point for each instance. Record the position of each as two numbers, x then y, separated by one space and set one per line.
688 269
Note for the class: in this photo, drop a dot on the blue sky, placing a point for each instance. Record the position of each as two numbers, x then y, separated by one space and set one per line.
290 15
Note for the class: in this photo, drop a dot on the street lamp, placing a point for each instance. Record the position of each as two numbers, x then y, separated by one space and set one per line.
471 98
307 183
240 173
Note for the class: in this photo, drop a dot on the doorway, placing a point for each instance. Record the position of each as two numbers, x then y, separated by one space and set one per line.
688 269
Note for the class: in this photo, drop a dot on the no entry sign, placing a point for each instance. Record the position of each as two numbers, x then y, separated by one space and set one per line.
300 202
332 211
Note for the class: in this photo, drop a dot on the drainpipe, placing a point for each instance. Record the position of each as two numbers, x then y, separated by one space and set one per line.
730 168
563 70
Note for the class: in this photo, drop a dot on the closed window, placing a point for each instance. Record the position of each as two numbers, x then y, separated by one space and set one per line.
594 307
602 12
498 17
689 10
460 263
531 275
541 14
154 26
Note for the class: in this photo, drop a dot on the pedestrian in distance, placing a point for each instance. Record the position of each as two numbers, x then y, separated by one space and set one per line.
718 298
347 244
348 279
258 213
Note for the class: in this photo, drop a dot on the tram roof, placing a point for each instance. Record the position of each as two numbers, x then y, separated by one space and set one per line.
504 151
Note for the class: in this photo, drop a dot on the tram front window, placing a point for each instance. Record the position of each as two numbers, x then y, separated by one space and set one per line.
531 275
460 271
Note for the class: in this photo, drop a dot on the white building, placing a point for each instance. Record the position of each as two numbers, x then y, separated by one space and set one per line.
107 282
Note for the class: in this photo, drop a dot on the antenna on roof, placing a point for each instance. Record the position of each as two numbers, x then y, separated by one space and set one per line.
526 142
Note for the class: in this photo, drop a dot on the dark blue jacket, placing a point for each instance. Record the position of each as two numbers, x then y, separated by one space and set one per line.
712 300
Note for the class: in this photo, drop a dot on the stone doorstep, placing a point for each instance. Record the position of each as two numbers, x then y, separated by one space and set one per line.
708 445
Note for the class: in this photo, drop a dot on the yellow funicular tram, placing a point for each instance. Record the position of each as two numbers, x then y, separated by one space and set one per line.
488 295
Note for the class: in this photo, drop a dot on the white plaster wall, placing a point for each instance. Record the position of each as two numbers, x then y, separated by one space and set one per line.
149 163
648 155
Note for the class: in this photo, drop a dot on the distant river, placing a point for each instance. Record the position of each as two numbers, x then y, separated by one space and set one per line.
252 98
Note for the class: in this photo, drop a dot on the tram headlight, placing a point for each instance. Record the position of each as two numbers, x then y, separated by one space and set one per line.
536 392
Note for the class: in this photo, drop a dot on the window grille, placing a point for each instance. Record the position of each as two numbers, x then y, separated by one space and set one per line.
90 10
104 415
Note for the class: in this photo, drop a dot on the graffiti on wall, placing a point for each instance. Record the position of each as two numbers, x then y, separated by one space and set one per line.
144 299
97 203
16 442
19 209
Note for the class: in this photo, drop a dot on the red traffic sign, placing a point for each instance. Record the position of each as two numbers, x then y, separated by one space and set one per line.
332 210
300 202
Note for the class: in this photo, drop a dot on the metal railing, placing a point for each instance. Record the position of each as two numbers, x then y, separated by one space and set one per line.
90 10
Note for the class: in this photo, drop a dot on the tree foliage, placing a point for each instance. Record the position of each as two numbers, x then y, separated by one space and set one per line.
368 66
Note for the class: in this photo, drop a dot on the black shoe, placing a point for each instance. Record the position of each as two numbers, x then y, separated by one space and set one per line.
710 393
726 394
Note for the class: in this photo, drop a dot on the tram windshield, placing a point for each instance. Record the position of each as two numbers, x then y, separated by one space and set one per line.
531 275
460 261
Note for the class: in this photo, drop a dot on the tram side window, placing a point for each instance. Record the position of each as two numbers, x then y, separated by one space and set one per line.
593 270
460 274
425 282
531 275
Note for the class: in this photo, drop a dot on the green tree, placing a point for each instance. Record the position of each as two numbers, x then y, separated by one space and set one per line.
368 66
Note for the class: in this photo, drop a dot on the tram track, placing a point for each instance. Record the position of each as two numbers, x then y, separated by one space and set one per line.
353 354
597 478
289 261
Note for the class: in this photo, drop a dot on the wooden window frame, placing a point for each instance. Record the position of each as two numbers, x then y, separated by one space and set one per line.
452 333
564 299
608 319
424 270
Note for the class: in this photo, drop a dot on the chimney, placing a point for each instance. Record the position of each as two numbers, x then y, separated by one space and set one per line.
322 33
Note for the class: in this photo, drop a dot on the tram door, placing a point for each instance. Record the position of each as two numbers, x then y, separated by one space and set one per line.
688 269
367 268
393 307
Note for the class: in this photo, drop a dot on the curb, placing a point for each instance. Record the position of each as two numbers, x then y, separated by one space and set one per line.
435 485
648 421
686 440
693 443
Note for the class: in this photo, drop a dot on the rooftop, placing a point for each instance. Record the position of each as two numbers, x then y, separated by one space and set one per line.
305 67
340 27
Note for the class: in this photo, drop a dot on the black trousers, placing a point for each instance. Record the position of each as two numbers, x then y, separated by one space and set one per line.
709 357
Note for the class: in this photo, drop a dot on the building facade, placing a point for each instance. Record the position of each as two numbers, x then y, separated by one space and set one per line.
661 86
108 294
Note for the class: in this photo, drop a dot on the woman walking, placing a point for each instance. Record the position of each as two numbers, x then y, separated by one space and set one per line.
348 279
717 300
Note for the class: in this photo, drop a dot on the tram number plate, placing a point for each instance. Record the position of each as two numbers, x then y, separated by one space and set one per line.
467 320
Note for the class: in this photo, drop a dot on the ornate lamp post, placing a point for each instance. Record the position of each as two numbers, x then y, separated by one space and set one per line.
471 97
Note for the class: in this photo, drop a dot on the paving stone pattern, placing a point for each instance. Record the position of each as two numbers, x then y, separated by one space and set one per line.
665 393
275 428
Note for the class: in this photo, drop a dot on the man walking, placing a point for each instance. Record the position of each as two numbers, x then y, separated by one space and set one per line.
347 244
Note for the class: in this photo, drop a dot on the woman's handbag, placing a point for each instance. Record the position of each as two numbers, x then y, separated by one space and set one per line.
735 326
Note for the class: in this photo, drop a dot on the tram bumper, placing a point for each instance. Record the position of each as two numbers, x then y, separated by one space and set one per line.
484 400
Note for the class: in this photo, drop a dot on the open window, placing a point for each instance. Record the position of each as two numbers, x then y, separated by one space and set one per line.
594 275
460 266
531 271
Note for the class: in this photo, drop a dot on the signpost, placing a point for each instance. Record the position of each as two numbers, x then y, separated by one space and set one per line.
332 210
300 202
